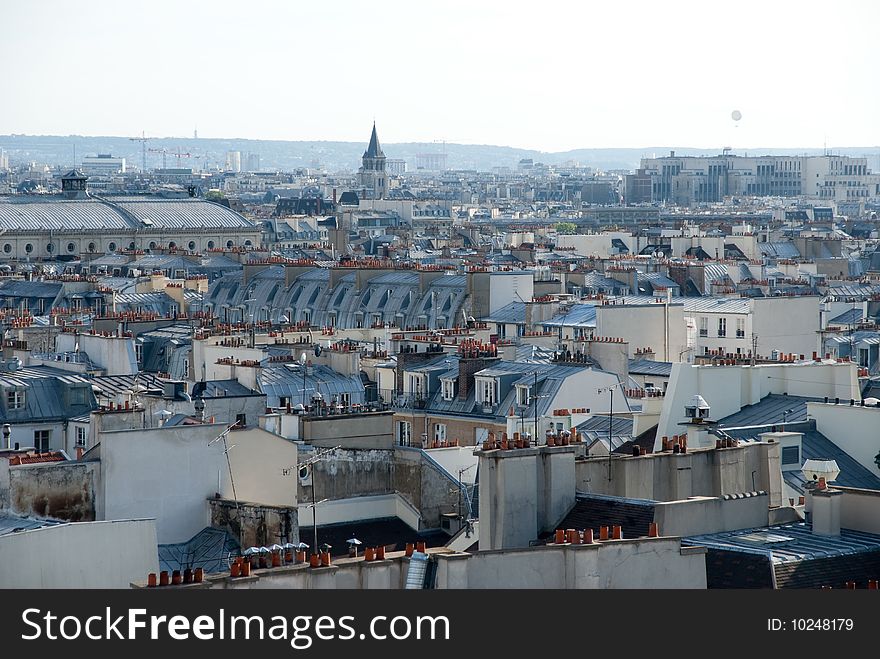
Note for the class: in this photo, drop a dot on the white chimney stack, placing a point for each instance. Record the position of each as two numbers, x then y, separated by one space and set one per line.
826 510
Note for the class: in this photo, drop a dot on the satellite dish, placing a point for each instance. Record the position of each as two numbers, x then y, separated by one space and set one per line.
736 115
302 359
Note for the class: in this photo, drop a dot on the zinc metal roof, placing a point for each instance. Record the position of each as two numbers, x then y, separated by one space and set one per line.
515 312
788 542
769 410
55 213
577 315
848 317
286 379
815 446
183 214
650 367
14 523
19 214
781 250
30 289
703 304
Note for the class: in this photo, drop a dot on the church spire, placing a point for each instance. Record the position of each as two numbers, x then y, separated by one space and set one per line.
374 150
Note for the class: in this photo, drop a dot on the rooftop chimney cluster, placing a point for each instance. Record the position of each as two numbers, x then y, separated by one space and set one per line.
586 537
473 349
188 576
678 444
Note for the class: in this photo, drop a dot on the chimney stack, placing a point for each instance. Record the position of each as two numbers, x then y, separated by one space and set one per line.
825 513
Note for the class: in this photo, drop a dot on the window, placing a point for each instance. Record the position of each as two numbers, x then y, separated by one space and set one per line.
7 248
448 389
740 328
191 245
404 433
523 395
440 432
139 352
80 436
78 396
210 244
704 326
791 455
283 401
486 391
15 399
29 248
71 247
722 327
415 385
229 244
41 440
240 420
111 247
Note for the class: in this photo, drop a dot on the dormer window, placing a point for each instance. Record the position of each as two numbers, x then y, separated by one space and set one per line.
523 395
448 389
15 399
487 391
417 385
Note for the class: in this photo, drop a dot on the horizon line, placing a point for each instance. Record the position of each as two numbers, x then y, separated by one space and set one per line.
446 143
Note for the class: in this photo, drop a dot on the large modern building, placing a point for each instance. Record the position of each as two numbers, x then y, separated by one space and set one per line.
104 164
686 180
75 223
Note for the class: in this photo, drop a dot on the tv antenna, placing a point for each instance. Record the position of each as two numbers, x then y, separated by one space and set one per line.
226 449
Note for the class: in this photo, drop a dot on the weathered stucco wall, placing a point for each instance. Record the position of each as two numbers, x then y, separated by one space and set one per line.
258 526
56 490
348 473
426 486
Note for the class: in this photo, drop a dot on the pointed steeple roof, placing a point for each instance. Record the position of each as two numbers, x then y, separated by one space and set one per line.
374 150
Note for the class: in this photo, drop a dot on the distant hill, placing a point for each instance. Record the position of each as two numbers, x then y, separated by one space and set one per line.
343 156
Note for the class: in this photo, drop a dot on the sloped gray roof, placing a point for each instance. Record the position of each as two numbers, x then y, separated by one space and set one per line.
286 379
848 317
30 213
815 446
650 367
515 312
388 296
769 410
781 250
788 542
577 315
46 395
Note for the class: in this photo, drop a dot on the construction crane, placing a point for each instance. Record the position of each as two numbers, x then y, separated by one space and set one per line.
164 153
143 139
179 154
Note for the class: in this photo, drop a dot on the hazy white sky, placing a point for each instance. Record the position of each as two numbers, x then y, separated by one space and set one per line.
546 75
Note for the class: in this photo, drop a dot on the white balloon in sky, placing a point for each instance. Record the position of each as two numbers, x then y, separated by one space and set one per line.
736 115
